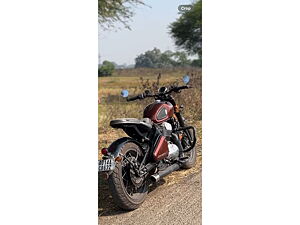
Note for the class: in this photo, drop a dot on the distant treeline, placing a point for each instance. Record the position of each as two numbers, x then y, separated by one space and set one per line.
152 59
168 59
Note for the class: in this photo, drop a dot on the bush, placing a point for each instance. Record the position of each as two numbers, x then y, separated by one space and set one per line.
196 63
106 69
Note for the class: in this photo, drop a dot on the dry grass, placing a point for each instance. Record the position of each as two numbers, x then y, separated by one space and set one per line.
113 106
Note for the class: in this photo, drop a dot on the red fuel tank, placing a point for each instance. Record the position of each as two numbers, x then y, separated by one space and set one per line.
159 112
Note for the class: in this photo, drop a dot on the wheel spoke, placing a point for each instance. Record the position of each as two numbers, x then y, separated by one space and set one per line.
124 175
128 159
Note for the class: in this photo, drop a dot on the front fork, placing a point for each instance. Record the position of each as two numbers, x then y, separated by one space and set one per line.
180 119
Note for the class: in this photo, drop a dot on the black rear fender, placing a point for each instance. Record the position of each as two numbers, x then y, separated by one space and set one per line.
116 146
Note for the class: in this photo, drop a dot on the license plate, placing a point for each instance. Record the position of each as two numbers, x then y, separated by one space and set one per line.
106 165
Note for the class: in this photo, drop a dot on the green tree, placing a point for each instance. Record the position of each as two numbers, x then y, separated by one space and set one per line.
196 63
111 11
181 59
106 69
186 30
157 59
150 59
166 59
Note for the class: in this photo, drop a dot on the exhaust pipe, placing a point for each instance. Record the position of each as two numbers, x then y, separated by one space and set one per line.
156 177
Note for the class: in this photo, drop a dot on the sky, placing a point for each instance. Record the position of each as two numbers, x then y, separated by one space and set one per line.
149 29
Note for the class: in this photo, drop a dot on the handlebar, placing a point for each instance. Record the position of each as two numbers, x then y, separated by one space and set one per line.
172 89
177 89
135 98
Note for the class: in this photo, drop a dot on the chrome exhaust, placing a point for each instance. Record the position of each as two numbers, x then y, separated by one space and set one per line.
156 177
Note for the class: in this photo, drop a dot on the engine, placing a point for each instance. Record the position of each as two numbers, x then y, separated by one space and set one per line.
173 151
167 132
165 148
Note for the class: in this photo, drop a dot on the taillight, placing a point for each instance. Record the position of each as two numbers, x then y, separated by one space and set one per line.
104 151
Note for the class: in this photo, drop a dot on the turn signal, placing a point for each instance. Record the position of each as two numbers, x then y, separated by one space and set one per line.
104 151
118 159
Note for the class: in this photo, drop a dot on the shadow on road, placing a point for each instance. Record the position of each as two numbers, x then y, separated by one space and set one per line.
106 206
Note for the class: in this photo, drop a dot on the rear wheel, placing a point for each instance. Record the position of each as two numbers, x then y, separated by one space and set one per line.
128 190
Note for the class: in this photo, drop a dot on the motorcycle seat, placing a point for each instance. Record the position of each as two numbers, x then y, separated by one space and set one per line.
119 123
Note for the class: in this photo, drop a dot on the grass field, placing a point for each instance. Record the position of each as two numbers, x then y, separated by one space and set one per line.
113 106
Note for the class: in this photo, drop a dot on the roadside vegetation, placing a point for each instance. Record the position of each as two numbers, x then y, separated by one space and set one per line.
113 106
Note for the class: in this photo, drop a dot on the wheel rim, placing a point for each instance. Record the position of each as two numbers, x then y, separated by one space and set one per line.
189 154
131 190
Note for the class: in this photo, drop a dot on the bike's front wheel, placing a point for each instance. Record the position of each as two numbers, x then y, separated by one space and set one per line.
191 155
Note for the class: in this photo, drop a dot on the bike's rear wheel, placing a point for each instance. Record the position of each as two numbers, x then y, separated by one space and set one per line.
128 190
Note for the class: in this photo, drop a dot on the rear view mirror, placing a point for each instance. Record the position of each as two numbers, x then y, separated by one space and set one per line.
124 93
186 79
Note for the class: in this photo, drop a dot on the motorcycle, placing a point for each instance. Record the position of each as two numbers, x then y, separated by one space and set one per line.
156 145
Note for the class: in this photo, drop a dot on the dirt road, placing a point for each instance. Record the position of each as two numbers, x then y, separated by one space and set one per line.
175 200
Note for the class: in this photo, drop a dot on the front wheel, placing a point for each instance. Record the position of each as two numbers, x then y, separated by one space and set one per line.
128 190
191 161
191 155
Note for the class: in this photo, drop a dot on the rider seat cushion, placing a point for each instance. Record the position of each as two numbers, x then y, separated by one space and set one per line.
119 123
